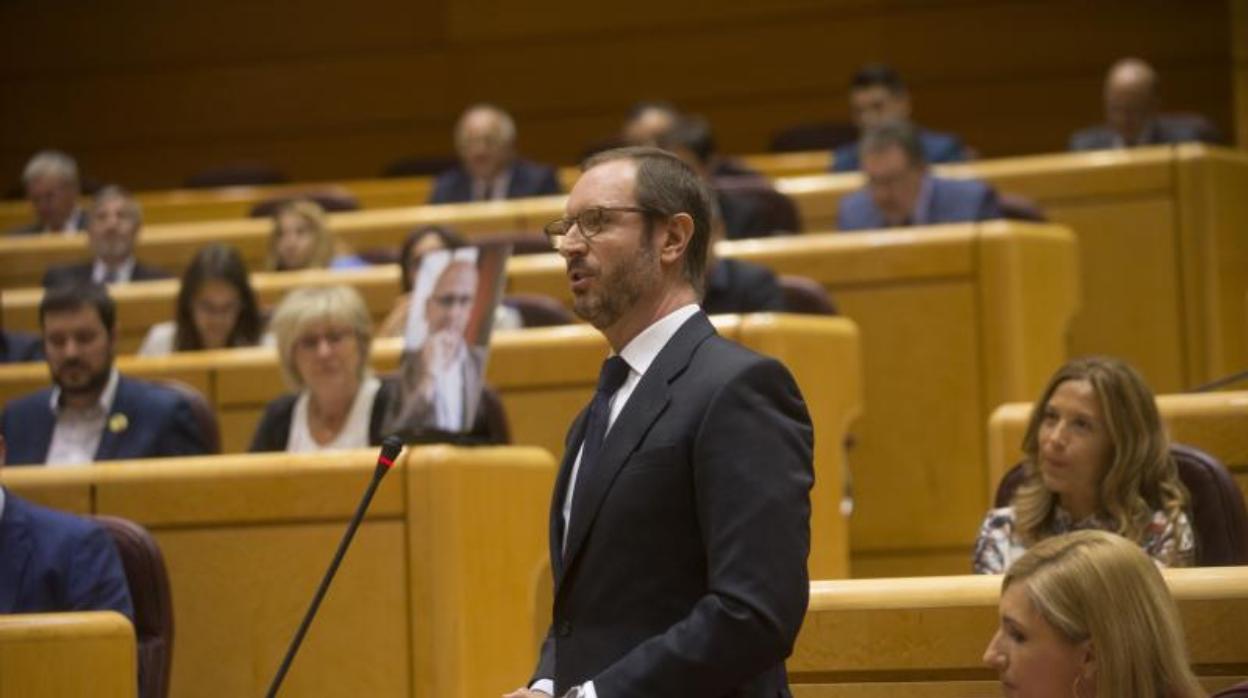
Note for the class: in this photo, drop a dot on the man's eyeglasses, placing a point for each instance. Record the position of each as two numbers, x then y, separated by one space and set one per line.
590 222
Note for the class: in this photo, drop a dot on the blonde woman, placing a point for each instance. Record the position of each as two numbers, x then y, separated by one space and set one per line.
323 340
1088 615
300 238
1095 456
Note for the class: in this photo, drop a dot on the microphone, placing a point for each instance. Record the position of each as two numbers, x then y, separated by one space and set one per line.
385 460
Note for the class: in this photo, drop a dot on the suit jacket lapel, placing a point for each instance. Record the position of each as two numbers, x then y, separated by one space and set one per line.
644 406
110 441
15 550
570 448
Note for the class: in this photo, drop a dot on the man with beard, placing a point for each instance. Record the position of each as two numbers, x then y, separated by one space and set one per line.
112 231
680 522
91 413
442 379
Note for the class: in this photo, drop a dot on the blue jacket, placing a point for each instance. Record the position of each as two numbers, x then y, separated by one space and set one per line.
937 147
51 561
527 179
951 201
158 423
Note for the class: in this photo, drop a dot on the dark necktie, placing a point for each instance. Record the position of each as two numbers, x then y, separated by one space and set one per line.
614 371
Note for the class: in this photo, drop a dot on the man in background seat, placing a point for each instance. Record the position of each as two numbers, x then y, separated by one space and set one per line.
485 138
112 233
877 95
1131 117
901 191
52 187
91 412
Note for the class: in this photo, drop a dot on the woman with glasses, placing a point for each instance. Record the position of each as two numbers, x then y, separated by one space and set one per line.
323 340
216 307
1088 615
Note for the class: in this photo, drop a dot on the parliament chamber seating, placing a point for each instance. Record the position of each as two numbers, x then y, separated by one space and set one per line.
954 321
153 606
1216 506
925 637
1164 272
67 655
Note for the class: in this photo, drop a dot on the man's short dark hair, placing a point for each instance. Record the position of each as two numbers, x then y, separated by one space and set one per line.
894 133
693 133
877 75
667 185
70 297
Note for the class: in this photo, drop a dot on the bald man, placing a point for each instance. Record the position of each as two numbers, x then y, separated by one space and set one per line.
1131 114
488 170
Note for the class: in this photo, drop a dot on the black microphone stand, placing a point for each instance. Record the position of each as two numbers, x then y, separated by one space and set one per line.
389 451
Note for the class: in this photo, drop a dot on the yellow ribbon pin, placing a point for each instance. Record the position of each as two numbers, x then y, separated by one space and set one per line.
118 423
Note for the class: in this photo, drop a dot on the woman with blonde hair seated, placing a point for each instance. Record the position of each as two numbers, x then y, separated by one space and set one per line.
1088 615
324 335
1095 456
300 237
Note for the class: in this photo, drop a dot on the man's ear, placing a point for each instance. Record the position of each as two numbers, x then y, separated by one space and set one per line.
674 238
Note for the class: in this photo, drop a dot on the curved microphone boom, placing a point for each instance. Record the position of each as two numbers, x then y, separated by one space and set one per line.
385 460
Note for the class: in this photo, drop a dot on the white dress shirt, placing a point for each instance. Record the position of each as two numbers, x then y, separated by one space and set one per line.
492 190
123 274
354 432
76 436
448 393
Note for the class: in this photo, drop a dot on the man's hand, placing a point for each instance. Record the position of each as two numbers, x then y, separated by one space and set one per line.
526 693
440 351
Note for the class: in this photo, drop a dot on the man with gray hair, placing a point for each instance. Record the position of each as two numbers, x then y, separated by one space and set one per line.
112 232
901 191
485 138
51 182
1131 117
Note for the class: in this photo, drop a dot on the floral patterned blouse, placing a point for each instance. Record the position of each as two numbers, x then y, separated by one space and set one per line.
998 547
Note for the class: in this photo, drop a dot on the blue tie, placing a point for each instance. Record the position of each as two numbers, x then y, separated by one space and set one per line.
614 371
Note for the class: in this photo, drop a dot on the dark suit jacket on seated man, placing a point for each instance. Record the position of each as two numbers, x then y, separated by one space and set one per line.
679 541
489 169
51 561
113 225
92 413
900 191
1131 116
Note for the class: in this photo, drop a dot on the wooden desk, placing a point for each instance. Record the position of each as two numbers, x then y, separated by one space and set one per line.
1213 422
454 549
67 655
926 636
545 377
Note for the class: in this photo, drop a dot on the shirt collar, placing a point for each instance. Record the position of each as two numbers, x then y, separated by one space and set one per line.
1 503
106 396
125 270
645 347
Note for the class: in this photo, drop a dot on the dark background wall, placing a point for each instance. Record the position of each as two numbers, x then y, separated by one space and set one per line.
146 93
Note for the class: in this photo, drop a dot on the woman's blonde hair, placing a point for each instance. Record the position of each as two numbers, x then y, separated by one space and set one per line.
1098 586
312 214
1142 476
340 305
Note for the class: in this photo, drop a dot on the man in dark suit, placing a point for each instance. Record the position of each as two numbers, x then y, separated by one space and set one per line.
877 95
1131 117
485 138
51 561
900 191
51 182
91 413
113 225
680 522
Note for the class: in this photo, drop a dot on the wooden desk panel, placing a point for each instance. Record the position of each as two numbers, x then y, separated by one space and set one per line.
926 636
67 655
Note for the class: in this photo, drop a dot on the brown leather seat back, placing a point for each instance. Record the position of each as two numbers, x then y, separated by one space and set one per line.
538 310
153 604
806 296
201 409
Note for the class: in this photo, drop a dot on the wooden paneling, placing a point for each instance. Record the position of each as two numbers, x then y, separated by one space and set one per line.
65 655
1239 51
323 91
